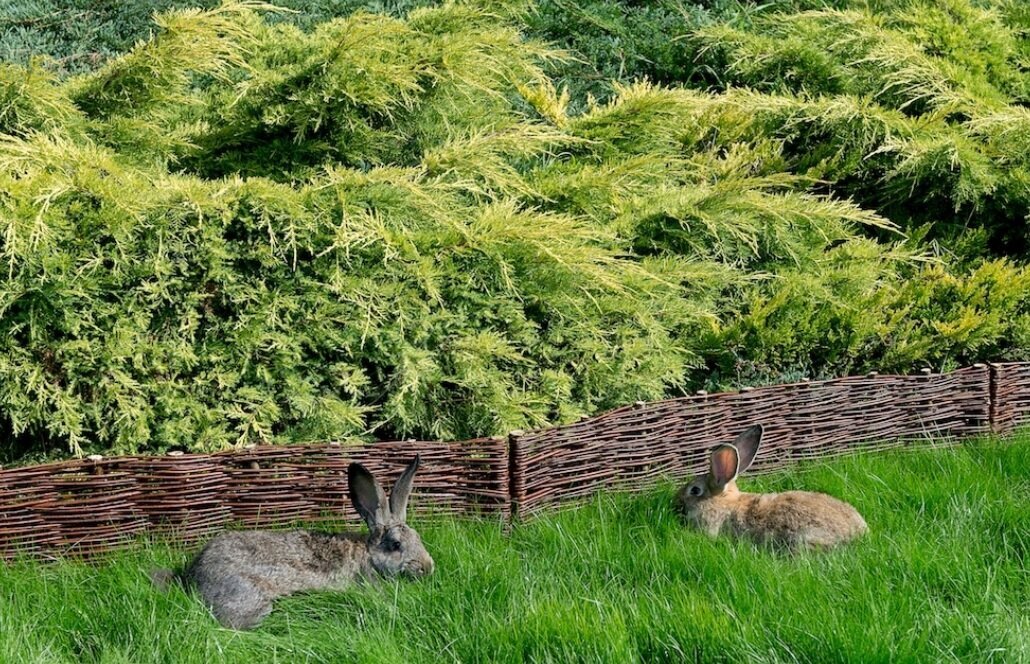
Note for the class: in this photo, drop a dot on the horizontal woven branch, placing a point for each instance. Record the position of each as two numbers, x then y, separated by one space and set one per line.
85 507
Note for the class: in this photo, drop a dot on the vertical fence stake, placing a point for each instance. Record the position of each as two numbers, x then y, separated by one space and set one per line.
992 399
516 482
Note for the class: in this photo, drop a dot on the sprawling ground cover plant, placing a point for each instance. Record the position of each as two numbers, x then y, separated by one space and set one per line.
77 36
941 576
243 231
917 109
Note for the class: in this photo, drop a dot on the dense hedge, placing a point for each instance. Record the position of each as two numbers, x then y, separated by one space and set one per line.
245 230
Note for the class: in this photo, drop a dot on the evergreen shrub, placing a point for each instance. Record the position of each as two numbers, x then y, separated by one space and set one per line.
244 231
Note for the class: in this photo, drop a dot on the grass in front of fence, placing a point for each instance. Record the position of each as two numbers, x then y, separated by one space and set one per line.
943 577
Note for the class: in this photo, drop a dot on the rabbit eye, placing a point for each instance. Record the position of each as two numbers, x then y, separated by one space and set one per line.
695 490
393 545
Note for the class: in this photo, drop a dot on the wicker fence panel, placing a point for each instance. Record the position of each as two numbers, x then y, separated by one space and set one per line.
638 445
86 507
275 485
82 508
22 528
1010 395
181 495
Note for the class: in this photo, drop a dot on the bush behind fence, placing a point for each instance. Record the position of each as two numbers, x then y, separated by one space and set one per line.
85 507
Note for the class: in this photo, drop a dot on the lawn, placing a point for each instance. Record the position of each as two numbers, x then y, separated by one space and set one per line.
942 577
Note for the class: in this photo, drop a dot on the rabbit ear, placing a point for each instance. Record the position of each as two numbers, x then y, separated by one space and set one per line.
401 490
366 494
747 443
724 465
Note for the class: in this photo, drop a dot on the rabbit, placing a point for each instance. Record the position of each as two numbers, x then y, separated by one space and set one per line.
791 520
239 574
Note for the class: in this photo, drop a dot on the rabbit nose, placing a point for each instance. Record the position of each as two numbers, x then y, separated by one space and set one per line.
427 566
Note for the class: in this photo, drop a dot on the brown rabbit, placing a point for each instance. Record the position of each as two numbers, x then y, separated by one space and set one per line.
239 574
793 519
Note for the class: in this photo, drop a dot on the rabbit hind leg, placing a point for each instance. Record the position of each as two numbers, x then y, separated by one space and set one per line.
241 604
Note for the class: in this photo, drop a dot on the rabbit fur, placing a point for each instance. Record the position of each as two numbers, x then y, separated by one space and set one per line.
239 574
792 520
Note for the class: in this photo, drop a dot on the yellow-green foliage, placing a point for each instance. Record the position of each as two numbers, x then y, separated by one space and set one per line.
239 231
916 108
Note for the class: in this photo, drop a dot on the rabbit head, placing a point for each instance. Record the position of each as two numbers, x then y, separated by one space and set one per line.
727 461
393 548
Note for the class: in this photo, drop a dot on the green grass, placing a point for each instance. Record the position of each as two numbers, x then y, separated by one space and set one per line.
942 577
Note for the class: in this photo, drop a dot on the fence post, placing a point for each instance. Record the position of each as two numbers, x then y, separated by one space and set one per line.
992 398
1002 413
516 476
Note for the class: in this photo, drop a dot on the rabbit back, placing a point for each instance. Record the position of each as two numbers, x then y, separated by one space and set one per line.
797 519
239 574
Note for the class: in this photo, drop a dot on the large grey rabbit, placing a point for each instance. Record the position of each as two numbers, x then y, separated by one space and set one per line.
239 574
792 519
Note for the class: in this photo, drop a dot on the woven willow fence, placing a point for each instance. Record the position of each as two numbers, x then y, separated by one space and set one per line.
86 507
